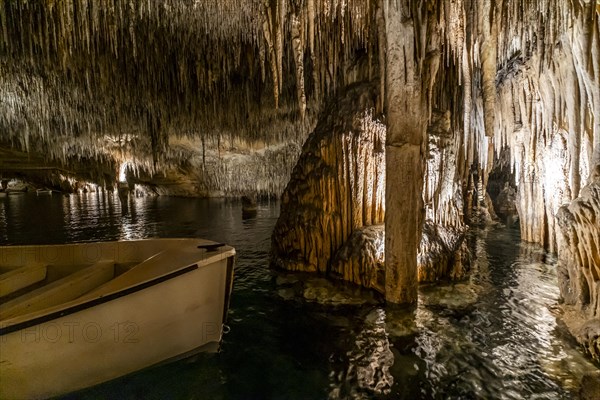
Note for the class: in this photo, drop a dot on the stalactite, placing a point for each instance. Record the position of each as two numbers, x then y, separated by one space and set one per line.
381 39
299 60
115 50
281 14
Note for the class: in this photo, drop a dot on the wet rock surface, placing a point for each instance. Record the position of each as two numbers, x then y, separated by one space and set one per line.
311 288
443 253
505 204
456 298
361 258
590 387
579 265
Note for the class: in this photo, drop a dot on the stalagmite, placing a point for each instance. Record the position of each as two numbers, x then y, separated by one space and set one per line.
337 185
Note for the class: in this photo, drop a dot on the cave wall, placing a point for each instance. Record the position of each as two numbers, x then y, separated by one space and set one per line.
521 77
548 119
229 167
579 264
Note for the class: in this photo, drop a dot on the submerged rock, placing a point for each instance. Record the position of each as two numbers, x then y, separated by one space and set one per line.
322 291
457 297
590 387
249 206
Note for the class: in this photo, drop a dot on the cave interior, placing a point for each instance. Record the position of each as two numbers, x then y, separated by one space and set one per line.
421 116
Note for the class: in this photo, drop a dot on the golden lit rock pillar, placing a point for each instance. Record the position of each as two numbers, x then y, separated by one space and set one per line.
406 120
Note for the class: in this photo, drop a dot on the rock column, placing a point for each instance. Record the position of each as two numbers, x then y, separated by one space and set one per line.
406 120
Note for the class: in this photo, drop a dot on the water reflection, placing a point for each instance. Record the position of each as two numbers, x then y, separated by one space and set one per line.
509 344
3 223
495 336
367 365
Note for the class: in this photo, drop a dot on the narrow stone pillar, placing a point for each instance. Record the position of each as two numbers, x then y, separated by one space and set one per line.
488 55
406 121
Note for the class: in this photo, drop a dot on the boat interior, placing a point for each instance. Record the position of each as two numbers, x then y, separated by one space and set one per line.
29 284
38 286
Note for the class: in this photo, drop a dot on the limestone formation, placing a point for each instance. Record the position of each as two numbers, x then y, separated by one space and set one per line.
334 203
502 189
442 254
579 265
337 185
506 203
361 259
404 150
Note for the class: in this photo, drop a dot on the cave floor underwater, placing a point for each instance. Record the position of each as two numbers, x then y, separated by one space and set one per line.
494 335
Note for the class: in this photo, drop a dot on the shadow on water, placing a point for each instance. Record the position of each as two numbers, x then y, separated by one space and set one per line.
492 336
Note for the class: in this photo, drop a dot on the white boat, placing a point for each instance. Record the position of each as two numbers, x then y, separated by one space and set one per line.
43 191
73 316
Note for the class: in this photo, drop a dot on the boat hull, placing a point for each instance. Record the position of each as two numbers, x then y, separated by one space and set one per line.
107 337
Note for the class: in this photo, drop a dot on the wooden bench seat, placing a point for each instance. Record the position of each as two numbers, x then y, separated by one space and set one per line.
21 277
60 291
155 266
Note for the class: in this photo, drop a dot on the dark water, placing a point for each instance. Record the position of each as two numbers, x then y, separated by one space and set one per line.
492 337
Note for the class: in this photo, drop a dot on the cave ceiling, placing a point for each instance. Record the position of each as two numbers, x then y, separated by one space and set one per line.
86 80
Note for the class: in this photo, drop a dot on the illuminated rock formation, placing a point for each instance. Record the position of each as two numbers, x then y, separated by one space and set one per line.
334 203
579 265
337 185
361 259
442 254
